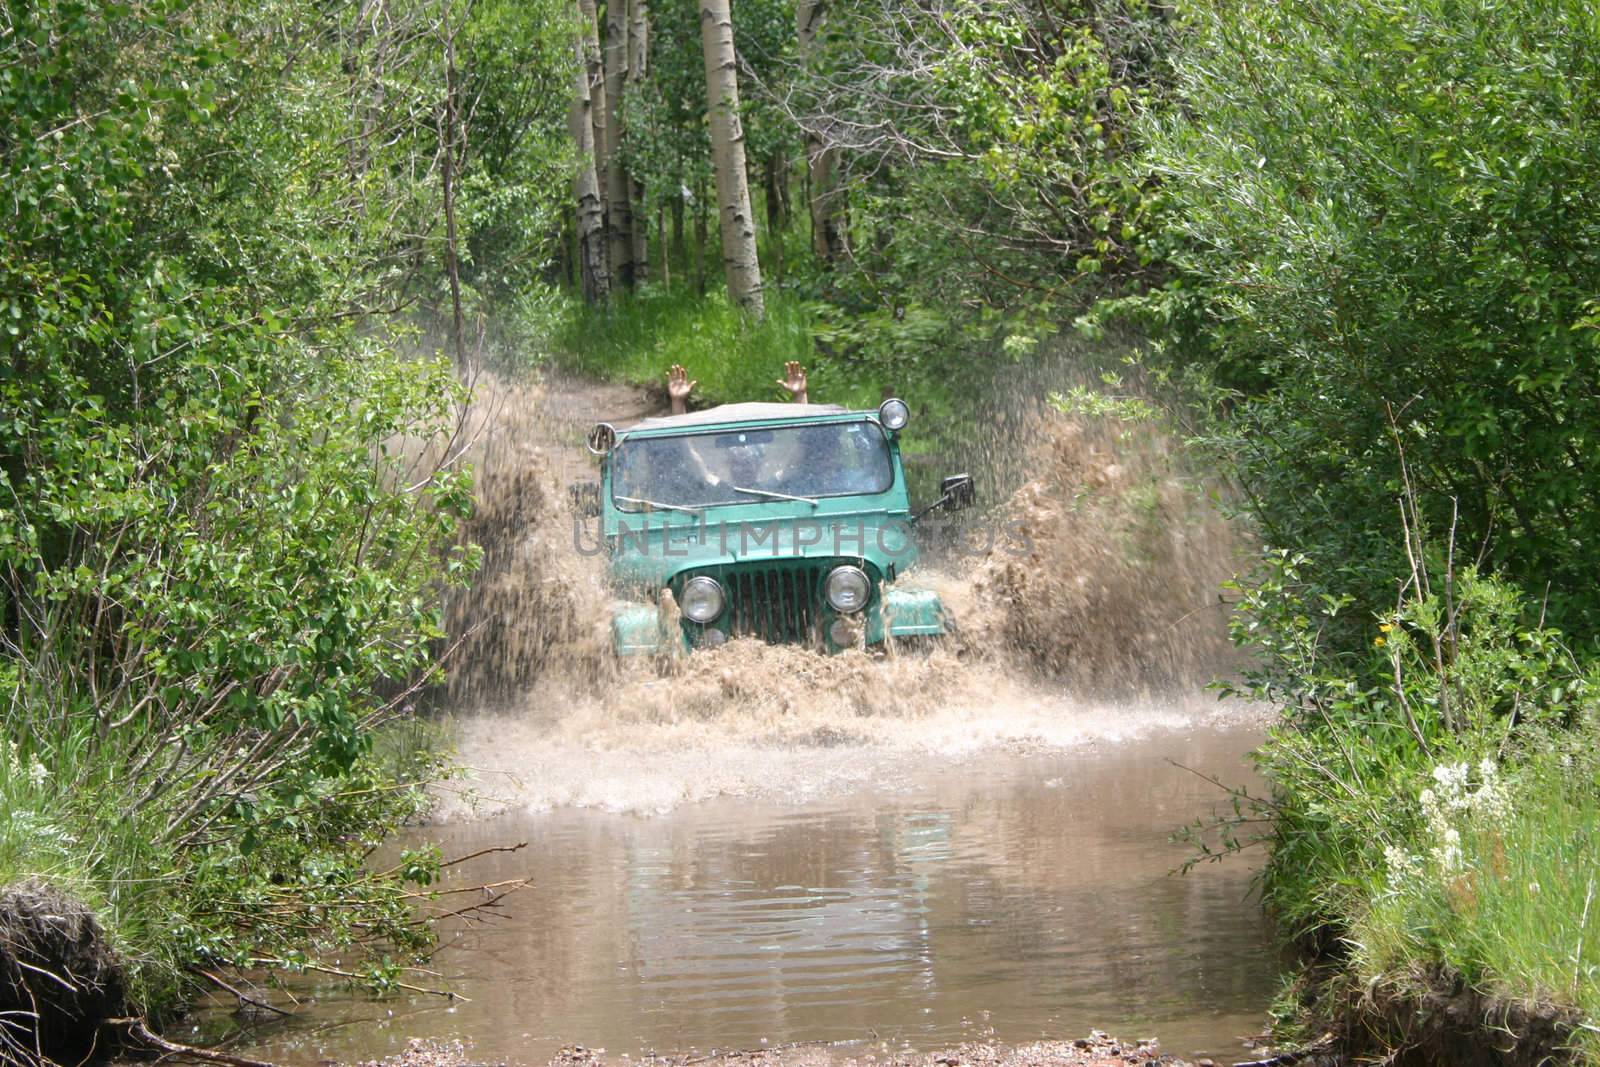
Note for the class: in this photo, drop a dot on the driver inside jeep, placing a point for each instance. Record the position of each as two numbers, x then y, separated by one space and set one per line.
801 462
829 459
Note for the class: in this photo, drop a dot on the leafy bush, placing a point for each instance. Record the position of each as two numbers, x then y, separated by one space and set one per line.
1426 789
1386 224
219 565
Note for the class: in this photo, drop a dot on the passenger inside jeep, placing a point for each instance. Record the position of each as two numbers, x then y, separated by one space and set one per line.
679 386
703 469
685 454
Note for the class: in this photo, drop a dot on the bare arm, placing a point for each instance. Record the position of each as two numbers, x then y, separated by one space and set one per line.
678 389
794 380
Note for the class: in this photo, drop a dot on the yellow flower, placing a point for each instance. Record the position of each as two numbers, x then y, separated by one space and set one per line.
1378 643
1384 627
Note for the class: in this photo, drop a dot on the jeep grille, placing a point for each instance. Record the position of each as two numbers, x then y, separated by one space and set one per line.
779 603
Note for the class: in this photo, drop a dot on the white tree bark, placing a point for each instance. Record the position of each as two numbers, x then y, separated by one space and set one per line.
589 18
638 69
596 279
739 261
619 199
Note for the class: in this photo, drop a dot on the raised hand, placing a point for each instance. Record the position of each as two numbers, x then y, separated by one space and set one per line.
794 380
679 387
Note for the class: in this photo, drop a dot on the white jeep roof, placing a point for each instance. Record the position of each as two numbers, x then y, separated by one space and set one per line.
754 412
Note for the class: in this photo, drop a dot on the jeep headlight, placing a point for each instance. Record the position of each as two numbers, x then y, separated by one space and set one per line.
702 599
847 589
894 414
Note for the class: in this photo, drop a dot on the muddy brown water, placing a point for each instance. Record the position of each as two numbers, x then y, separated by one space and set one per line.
764 846
1018 892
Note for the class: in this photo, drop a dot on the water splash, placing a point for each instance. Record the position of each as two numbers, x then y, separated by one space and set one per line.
1108 593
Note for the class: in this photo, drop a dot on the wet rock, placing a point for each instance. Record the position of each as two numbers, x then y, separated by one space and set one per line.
1096 1050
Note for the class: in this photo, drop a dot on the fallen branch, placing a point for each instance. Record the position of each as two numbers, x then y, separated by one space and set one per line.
470 911
140 1031
519 846
321 968
243 997
1294 1056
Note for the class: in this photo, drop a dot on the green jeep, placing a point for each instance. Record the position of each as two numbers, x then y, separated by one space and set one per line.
784 522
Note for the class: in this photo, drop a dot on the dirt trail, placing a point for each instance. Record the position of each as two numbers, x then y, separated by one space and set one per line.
583 401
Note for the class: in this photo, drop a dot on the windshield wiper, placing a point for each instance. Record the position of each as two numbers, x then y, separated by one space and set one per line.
775 496
658 504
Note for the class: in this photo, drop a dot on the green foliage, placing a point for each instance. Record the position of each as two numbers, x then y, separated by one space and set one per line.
637 337
984 149
1384 219
517 69
1427 787
1381 223
220 557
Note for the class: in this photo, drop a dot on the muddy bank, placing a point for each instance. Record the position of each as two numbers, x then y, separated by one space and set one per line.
1096 1050
1436 1020
59 978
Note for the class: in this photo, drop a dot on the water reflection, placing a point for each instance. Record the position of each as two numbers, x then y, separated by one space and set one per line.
1027 894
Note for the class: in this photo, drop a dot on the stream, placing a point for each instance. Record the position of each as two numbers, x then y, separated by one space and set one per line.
765 846
1011 894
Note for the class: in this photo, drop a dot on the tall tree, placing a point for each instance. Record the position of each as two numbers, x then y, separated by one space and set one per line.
448 130
596 279
737 223
594 64
822 159
619 207
638 68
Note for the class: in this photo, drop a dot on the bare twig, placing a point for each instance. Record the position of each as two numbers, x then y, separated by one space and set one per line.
243 996
140 1031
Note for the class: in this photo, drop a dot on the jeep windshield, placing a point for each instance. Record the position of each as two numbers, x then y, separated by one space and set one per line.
749 466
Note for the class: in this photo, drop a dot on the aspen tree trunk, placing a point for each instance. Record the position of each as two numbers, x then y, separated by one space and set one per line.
619 210
822 161
777 215
596 279
592 63
638 70
739 261
700 238
448 137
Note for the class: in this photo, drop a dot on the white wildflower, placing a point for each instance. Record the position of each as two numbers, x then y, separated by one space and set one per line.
1451 780
1533 889
38 773
1492 799
1447 856
1403 867
1431 810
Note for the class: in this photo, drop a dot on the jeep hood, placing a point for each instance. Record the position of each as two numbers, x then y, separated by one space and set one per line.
651 556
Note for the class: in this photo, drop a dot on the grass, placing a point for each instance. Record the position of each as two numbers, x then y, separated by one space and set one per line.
1519 918
78 814
60 821
637 336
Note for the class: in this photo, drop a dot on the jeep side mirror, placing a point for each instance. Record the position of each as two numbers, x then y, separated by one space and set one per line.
585 498
957 491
